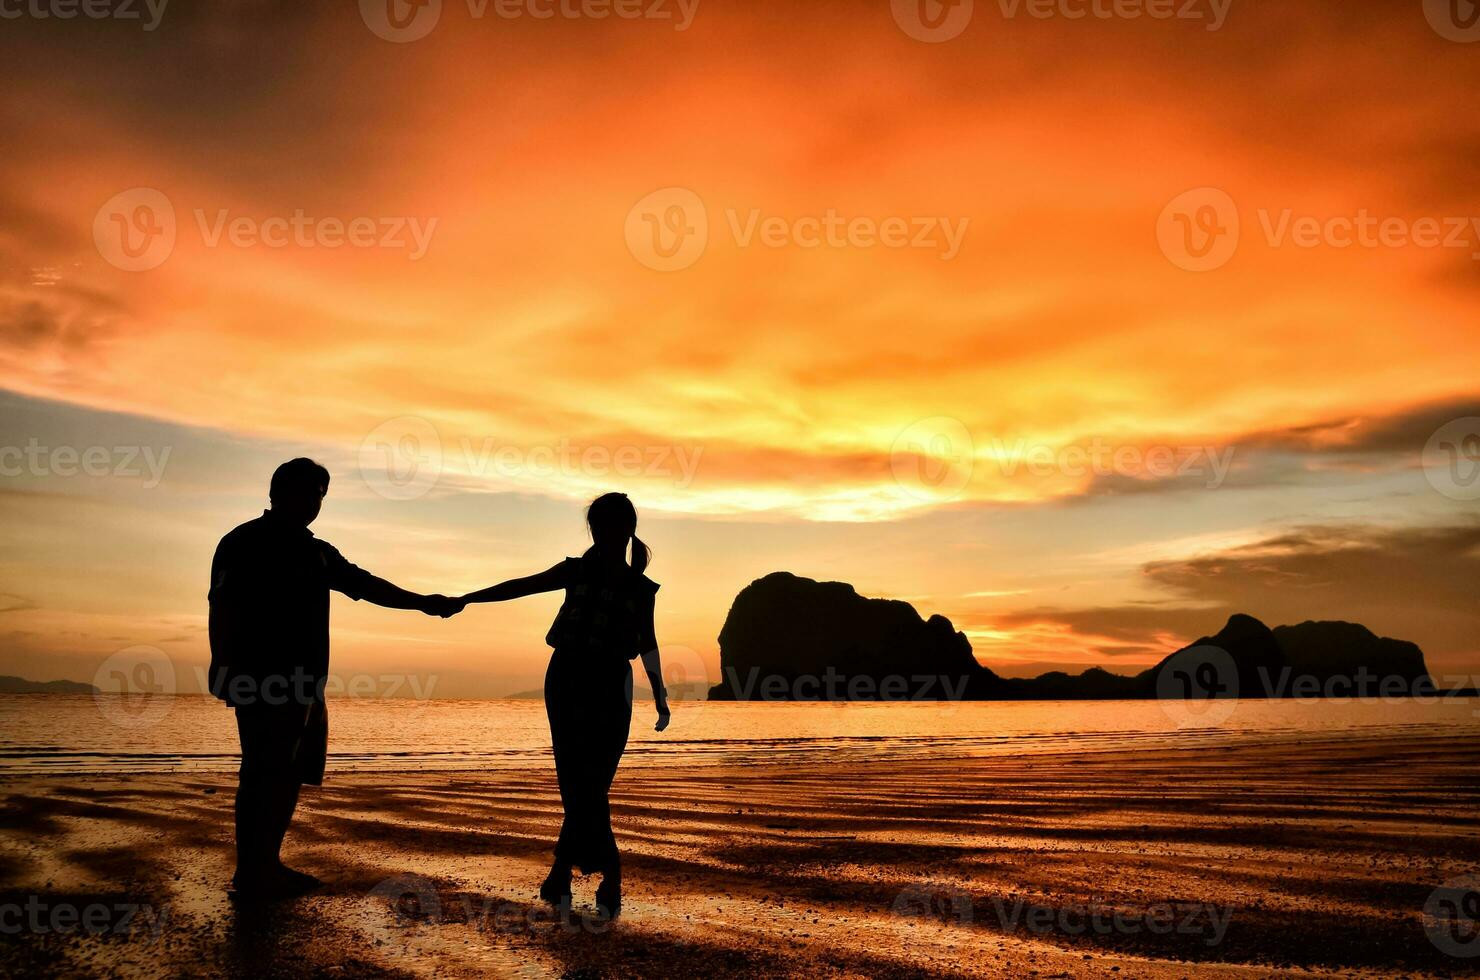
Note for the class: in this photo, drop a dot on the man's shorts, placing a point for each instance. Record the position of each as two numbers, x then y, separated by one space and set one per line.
283 741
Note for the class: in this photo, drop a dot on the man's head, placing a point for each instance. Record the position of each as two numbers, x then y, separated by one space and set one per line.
298 488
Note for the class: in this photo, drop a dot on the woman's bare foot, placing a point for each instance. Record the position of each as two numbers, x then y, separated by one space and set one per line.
556 887
609 894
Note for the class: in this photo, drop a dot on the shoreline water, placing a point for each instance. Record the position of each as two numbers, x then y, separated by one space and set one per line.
79 735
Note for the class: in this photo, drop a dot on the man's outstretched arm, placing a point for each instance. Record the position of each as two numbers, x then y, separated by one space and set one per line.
383 593
357 583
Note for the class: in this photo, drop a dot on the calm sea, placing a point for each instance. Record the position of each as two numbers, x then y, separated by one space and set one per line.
113 733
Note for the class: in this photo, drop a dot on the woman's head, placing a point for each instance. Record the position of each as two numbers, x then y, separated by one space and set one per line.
612 521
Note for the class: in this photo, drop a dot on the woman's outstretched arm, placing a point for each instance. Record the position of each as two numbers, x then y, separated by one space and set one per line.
549 580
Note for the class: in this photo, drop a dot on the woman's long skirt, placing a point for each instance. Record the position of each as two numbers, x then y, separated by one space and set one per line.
589 703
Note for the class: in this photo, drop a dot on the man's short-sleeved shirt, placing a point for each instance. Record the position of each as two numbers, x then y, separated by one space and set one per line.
270 584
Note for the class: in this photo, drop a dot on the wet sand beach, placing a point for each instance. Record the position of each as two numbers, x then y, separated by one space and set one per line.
1251 859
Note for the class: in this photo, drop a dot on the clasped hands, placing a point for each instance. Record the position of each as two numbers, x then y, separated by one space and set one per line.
442 605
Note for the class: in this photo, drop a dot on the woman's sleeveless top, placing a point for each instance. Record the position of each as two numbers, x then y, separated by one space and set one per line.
602 614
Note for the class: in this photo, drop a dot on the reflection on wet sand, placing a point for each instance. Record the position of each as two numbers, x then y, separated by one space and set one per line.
1317 854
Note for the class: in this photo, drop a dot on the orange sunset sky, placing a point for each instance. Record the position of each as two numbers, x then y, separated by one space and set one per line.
915 419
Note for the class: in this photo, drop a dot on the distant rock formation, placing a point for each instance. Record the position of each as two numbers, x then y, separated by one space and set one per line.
789 638
1337 650
19 685
1249 661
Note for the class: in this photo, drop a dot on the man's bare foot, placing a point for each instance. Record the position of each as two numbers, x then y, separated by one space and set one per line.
276 883
255 887
297 882
556 887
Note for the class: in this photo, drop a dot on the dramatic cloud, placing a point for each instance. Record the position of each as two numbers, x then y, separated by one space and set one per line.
1403 433
1369 443
1054 145
948 399
1412 583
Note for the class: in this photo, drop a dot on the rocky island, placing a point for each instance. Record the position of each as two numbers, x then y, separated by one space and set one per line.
789 638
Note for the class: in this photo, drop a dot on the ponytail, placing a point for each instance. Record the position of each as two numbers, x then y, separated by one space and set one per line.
641 555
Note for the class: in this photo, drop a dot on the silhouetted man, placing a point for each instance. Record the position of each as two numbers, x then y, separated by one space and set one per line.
269 629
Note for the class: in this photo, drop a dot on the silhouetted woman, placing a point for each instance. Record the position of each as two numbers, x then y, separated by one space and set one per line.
605 622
